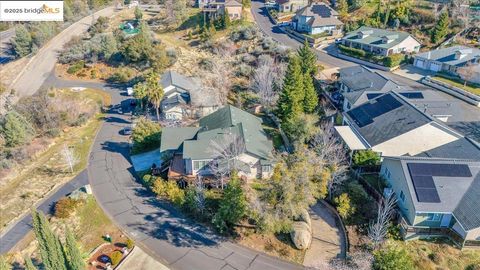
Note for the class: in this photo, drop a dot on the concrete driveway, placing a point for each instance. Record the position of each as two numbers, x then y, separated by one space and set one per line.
328 241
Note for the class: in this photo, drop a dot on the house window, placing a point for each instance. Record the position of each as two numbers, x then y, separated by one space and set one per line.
434 217
198 165
387 173
402 196
266 168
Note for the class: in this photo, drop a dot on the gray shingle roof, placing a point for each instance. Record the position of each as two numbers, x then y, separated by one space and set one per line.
387 125
171 77
458 195
447 55
321 13
375 36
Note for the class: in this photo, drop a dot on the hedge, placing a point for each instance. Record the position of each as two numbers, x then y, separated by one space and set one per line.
352 51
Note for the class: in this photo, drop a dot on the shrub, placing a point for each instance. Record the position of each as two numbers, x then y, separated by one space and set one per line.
366 158
434 257
352 51
122 75
392 258
116 257
130 243
64 207
244 70
146 135
393 60
344 207
233 205
169 190
73 69
244 33
148 180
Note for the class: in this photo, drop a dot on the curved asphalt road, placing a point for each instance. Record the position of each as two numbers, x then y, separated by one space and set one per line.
157 227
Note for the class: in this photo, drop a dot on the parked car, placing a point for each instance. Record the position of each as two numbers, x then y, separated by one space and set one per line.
127 131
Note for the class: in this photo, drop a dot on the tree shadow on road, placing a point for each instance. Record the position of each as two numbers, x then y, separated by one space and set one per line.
118 147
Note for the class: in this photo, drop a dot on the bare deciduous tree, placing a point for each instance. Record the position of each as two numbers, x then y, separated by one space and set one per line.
266 75
69 157
225 152
219 78
377 230
467 72
199 194
331 155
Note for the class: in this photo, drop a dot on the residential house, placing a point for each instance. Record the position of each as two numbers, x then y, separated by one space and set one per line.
287 6
381 42
448 59
359 84
436 197
217 8
191 147
392 126
185 97
317 18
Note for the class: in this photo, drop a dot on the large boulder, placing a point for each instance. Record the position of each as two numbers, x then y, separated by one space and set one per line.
301 235
305 216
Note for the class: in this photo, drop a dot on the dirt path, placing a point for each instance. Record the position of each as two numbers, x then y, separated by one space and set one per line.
327 242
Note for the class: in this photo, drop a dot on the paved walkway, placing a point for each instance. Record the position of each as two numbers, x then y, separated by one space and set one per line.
328 241
139 260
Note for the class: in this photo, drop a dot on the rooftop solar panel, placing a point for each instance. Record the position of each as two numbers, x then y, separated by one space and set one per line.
412 95
365 114
437 169
427 195
373 95
420 181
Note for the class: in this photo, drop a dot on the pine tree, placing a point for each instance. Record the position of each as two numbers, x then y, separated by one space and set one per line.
233 205
74 256
308 59
29 264
342 8
226 20
211 28
310 101
22 42
291 98
50 248
441 28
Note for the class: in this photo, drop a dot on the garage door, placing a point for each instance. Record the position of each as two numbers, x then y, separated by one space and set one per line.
435 67
420 63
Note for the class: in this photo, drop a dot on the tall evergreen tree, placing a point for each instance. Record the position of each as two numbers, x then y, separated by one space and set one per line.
29 264
50 248
233 205
226 19
290 102
308 59
22 42
74 256
310 101
441 28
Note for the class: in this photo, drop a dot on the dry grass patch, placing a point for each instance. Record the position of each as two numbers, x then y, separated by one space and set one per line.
30 182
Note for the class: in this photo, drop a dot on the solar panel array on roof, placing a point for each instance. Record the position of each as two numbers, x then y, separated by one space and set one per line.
412 95
373 95
322 11
422 177
364 114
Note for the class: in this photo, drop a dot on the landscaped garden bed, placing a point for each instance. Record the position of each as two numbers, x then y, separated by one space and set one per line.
390 61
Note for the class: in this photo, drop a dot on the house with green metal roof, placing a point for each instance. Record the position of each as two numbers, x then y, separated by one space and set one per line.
380 41
193 147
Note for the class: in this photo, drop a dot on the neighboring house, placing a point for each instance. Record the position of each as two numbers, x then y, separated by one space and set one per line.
191 147
436 197
448 59
290 5
359 84
317 18
392 126
218 7
185 97
381 42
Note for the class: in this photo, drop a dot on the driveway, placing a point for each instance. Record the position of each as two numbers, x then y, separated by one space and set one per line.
328 242
157 227
39 67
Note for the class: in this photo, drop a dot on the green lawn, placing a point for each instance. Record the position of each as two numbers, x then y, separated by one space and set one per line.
472 88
